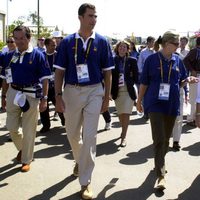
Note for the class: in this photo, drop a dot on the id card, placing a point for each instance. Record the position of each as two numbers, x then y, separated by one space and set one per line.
82 73
164 91
121 80
8 74
15 59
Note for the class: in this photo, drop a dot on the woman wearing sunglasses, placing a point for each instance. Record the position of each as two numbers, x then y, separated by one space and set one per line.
163 75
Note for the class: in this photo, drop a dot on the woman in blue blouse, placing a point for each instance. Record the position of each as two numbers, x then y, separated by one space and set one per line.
162 77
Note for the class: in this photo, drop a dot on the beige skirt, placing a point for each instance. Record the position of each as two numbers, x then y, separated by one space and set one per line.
123 103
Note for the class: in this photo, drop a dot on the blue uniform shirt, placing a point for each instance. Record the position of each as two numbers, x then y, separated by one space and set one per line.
29 69
151 76
99 58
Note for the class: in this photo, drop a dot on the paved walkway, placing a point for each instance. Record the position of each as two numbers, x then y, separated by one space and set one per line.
120 173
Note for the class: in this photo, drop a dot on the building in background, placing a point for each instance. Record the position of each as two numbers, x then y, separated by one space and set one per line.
2 26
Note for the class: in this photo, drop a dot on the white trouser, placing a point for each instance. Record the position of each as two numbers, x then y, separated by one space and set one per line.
82 110
179 120
192 101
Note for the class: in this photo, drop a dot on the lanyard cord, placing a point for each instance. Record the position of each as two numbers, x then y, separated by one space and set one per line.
161 71
76 51
48 60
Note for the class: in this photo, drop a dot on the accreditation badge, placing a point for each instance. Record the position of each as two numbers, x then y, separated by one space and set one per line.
121 80
14 59
8 73
82 73
164 91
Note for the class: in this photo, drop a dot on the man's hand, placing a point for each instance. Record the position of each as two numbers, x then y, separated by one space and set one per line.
43 105
105 105
60 106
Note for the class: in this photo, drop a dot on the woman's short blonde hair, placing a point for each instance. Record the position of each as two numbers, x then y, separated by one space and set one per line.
169 36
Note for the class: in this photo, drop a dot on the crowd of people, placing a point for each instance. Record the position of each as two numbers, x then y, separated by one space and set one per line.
80 74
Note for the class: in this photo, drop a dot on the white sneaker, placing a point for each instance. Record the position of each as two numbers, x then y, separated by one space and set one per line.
107 126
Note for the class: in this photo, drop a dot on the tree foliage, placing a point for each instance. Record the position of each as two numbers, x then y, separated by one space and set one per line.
33 19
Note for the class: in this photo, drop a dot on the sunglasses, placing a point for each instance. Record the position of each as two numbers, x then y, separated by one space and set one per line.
40 39
175 43
9 41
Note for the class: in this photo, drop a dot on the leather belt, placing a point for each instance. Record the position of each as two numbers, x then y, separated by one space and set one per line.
23 89
82 85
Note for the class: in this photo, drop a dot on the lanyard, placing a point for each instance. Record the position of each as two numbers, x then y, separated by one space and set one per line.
47 56
161 70
76 51
124 63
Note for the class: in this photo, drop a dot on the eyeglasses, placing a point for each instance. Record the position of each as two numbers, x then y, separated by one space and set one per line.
9 41
41 40
175 43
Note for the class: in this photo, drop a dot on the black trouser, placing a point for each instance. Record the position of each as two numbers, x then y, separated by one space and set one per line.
161 127
106 116
44 116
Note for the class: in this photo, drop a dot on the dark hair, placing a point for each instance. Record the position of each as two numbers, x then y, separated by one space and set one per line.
184 38
150 39
47 41
82 9
25 29
118 44
198 41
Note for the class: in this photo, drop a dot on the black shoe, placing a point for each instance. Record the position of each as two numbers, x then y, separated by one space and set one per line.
44 129
176 146
192 123
63 122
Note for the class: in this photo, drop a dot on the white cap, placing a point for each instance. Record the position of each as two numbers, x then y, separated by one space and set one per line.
57 34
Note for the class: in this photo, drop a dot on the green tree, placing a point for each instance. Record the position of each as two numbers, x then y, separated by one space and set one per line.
32 18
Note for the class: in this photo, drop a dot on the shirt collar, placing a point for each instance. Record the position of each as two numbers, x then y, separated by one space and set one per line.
29 50
173 58
78 36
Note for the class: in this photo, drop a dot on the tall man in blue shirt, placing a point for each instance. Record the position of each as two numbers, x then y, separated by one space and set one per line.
84 59
23 70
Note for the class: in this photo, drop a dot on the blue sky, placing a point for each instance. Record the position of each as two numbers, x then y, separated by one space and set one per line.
115 17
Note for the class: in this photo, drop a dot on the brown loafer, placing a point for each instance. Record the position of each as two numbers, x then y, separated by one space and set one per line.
25 167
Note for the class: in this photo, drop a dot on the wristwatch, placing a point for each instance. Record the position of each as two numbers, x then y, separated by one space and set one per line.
45 97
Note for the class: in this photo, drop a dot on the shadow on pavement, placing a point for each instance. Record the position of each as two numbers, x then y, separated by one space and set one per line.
145 190
193 192
194 149
187 129
57 142
54 189
107 148
10 171
136 158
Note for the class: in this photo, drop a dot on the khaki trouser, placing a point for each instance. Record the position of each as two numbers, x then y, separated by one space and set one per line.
161 127
177 130
192 101
28 121
82 110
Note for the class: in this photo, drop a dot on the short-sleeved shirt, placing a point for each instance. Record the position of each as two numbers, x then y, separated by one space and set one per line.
29 68
99 57
151 76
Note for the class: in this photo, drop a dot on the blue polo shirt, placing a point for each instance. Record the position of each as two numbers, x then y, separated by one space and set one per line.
151 76
29 68
50 58
99 58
